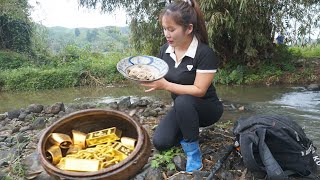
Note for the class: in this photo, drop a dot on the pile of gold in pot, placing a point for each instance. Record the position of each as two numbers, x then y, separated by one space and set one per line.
89 152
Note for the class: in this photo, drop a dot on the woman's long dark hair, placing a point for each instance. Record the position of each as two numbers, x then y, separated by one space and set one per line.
184 14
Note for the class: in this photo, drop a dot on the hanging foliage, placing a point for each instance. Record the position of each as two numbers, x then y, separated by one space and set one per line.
240 31
15 26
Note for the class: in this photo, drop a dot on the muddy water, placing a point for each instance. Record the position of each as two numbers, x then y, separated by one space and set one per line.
303 105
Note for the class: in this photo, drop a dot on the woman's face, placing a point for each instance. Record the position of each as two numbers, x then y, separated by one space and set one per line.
175 34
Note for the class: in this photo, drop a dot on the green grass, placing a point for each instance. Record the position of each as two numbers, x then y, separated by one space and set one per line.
88 70
307 51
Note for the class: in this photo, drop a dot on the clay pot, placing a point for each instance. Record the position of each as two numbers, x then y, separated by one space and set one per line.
93 120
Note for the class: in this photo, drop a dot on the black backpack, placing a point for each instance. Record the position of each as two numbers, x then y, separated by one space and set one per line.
276 145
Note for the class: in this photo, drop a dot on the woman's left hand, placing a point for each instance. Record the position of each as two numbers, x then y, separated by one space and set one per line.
156 85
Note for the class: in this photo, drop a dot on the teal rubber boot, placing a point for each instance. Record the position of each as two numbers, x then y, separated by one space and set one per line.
194 157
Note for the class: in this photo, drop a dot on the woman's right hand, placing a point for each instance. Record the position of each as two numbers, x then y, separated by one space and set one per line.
160 84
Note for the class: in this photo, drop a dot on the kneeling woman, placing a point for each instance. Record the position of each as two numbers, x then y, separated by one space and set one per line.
192 64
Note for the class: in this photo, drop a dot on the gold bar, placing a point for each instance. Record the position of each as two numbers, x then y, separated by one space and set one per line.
103 136
54 154
121 151
62 140
72 164
128 142
79 138
74 148
62 164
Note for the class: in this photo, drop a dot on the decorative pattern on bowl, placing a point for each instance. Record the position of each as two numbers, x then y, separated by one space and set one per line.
158 67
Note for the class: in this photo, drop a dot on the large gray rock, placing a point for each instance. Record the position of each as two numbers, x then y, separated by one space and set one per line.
55 108
314 87
14 114
35 108
124 103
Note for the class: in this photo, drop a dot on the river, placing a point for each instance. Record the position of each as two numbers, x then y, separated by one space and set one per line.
302 105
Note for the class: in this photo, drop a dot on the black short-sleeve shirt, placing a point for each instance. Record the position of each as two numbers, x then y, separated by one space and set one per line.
185 73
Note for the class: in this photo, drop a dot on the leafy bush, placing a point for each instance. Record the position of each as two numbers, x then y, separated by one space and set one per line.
229 75
164 159
282 53
12 60
35 78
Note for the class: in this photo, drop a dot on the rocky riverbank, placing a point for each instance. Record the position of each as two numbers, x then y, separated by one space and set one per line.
21 129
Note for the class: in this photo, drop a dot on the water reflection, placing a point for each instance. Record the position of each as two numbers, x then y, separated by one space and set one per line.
304 106
14 100
306 101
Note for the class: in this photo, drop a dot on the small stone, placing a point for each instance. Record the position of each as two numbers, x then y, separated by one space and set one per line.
181 176
170 173
143 102
25 128
29 117
162 112
52 119
241 108
227 175
6 132
15 129
39 123
2 138
22 116
21 138
44 175
113 105
9 140
70 110
50 115
199 175
125 103
153 174
32 162
132 112
61 113
7 156
3 117
180 162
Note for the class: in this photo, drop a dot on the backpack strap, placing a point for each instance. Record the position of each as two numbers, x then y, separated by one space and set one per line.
271 166
246 147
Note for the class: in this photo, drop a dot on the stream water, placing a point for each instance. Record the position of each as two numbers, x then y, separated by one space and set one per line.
302 105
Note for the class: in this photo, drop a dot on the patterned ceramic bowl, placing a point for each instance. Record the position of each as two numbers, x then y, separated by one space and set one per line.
143 68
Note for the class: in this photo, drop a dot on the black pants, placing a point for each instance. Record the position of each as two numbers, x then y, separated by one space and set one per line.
184 119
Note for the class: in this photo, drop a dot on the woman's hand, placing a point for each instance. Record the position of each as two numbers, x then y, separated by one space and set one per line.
160 84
